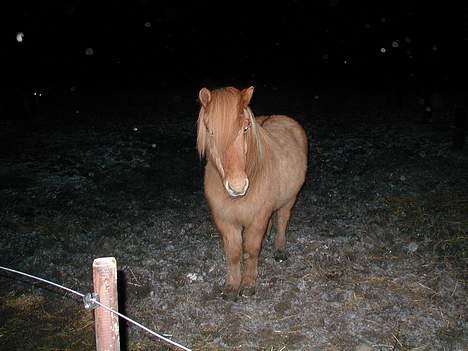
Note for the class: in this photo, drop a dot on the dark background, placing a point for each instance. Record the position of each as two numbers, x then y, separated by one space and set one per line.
98 110
120 45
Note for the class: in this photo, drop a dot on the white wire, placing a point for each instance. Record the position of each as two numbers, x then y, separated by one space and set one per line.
141 326
100 304
43 280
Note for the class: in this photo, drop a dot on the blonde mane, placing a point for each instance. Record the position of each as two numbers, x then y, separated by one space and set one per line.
222 117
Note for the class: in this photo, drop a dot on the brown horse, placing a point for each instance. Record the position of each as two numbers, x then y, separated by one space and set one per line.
255 168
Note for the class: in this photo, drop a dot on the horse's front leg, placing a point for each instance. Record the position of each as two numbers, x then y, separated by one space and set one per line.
253 238
232 241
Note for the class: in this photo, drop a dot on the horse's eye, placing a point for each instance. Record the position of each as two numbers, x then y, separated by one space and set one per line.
246 125
208 130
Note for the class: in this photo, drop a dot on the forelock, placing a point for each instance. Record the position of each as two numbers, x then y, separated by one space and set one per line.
222 116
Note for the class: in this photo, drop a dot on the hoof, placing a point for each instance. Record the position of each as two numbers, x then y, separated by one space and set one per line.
248 291
229 294
281 255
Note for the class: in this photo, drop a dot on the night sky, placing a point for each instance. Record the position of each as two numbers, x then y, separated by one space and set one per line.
174 43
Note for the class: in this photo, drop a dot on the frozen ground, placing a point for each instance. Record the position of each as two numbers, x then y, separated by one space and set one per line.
378 238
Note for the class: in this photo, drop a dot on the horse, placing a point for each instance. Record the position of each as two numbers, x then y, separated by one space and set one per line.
255 168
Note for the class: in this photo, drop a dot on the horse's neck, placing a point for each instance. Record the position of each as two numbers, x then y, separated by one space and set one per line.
263 157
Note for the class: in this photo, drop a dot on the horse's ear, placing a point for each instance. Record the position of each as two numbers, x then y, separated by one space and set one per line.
247 95
205 96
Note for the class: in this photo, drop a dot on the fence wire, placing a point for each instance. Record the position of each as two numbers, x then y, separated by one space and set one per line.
159 336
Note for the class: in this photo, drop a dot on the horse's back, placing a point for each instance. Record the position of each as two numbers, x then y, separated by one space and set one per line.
285 131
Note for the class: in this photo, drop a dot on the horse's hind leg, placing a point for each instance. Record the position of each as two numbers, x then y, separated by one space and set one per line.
283 215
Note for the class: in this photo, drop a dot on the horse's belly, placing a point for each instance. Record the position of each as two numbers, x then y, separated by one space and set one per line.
291 175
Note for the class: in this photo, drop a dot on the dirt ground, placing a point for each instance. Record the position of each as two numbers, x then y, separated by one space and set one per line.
378 239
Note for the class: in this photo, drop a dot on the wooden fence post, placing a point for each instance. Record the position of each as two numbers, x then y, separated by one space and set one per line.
106 322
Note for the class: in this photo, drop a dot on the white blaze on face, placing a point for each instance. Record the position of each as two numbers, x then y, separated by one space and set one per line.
235 178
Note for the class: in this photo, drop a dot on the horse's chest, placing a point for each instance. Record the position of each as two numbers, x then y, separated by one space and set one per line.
239 210
232 210
242 210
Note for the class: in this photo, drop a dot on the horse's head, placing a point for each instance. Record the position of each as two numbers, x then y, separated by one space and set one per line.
227 135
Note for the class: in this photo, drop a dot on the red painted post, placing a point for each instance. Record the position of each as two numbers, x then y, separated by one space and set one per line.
105 286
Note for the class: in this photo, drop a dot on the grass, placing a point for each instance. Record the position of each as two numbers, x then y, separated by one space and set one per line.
37 323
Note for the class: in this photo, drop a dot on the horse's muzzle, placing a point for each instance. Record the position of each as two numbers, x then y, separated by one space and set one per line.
237 189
